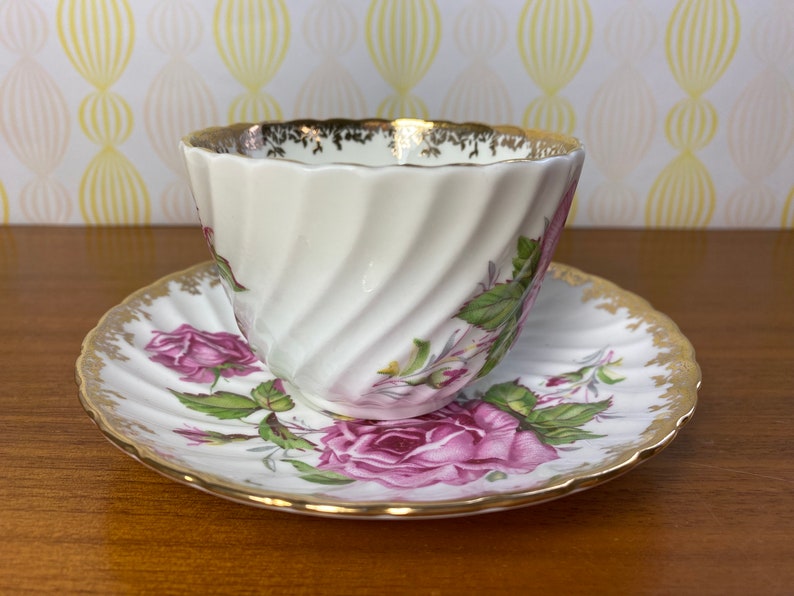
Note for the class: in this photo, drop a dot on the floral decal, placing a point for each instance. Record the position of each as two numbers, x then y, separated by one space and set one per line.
202 357
548 245
455 445
510 428
224 268
498 310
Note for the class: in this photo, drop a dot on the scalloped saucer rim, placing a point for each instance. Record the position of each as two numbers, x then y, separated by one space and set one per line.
544 457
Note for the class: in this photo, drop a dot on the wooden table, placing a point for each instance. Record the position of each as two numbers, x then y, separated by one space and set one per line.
712 514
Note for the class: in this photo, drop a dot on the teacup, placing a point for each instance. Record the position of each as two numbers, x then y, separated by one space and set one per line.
379 267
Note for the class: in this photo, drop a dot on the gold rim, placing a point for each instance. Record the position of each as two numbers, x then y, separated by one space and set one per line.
675 354
239 138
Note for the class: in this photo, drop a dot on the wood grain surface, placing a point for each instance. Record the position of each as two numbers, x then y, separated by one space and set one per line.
711 514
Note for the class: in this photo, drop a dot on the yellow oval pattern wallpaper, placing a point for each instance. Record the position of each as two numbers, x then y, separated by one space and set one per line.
686 107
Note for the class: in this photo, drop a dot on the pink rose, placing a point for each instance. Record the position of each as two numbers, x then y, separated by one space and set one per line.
200 356
455 445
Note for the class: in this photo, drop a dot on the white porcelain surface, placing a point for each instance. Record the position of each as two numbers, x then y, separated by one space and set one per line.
597 383
341 274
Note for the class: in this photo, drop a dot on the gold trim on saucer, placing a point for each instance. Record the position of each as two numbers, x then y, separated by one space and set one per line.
675 355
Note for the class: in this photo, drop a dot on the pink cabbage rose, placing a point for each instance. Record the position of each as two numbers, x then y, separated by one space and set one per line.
200 356
455 445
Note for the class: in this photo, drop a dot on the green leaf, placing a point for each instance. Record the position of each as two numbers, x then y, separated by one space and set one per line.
494 307
559 425
563 435
500 346
578 375
222 404
496 475
525 263
225 271
511 397
419 356
271 429
608 376
268 396
567 415
312 474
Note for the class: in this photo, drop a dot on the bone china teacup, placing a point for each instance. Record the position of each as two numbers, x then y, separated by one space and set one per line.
379 267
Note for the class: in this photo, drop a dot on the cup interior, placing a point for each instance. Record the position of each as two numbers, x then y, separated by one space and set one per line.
379 143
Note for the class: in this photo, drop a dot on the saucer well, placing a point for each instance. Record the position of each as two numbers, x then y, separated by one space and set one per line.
597 382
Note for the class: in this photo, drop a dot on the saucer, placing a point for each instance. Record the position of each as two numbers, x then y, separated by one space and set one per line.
598 382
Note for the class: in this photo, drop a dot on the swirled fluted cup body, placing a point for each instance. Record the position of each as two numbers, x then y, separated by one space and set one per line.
379 267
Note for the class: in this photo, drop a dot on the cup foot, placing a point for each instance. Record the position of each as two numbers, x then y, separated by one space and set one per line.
391 411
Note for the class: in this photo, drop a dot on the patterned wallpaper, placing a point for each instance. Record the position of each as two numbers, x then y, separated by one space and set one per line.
686 106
